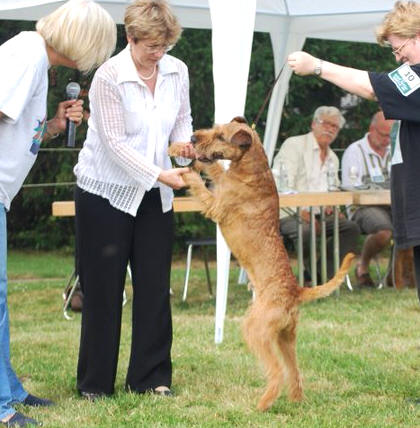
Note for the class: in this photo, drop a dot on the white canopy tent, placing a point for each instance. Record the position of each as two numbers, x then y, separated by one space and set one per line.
289 23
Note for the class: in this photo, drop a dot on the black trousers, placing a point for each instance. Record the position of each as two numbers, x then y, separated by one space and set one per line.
107 239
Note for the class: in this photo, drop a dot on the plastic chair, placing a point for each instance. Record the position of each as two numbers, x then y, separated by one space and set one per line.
70 288
202 243
381 278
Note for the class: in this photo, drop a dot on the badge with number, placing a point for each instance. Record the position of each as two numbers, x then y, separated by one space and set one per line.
405 79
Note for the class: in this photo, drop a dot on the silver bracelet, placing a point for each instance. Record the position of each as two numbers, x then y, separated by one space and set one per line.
51 136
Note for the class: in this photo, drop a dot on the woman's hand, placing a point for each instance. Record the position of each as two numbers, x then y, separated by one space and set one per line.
173 177
302 63
70 109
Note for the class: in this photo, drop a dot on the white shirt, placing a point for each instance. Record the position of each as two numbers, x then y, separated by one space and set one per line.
366 162
23 99
317 175
301 157
129 131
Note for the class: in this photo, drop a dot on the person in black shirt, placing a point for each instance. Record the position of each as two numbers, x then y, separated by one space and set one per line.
398 93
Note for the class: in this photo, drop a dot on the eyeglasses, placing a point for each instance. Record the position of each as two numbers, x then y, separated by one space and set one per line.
158 48
398 50
329 124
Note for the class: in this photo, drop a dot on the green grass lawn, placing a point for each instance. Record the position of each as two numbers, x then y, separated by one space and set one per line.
359 354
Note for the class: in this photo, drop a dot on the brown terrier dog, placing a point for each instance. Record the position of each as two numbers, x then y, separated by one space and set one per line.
245 204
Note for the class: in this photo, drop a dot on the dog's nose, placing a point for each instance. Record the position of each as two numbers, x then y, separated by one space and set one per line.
193 139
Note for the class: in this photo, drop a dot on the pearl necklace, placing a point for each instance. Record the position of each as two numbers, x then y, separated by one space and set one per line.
148 77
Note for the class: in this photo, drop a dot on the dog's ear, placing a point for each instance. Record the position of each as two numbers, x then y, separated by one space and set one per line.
242 138
239 119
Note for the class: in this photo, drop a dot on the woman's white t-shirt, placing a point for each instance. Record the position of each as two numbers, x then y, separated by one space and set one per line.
23 102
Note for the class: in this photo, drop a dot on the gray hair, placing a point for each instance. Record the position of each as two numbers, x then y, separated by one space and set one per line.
329 111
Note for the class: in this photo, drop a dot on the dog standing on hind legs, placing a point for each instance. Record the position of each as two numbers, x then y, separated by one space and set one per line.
244 202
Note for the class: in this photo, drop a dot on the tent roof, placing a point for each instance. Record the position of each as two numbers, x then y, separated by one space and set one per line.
326 19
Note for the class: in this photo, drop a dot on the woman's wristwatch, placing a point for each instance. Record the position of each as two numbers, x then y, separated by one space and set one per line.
318 68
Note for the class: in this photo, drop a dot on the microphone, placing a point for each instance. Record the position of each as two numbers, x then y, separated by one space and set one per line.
72 92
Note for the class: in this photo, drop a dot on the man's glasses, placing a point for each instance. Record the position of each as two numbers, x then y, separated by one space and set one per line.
329 124
397 51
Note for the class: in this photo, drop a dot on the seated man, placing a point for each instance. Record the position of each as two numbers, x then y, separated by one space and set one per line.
307 160
368 161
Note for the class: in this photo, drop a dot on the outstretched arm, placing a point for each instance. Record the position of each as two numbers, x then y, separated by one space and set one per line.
350 79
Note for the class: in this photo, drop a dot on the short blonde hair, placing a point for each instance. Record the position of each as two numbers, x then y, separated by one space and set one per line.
403 21
152 19
82 31
329 111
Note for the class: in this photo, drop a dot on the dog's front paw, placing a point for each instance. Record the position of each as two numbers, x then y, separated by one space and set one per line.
175 149
192 178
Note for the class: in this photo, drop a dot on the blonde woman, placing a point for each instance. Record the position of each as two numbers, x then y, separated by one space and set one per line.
139 102
398 94
80 34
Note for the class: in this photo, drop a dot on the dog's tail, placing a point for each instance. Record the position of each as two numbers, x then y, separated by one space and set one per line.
306 294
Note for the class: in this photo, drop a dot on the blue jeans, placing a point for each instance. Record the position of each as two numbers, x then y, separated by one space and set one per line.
11 390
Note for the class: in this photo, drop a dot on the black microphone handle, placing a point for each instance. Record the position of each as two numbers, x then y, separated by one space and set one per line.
70 133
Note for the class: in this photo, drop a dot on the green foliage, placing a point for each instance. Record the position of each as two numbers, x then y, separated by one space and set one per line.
30 221
194 49
261 78
191 225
